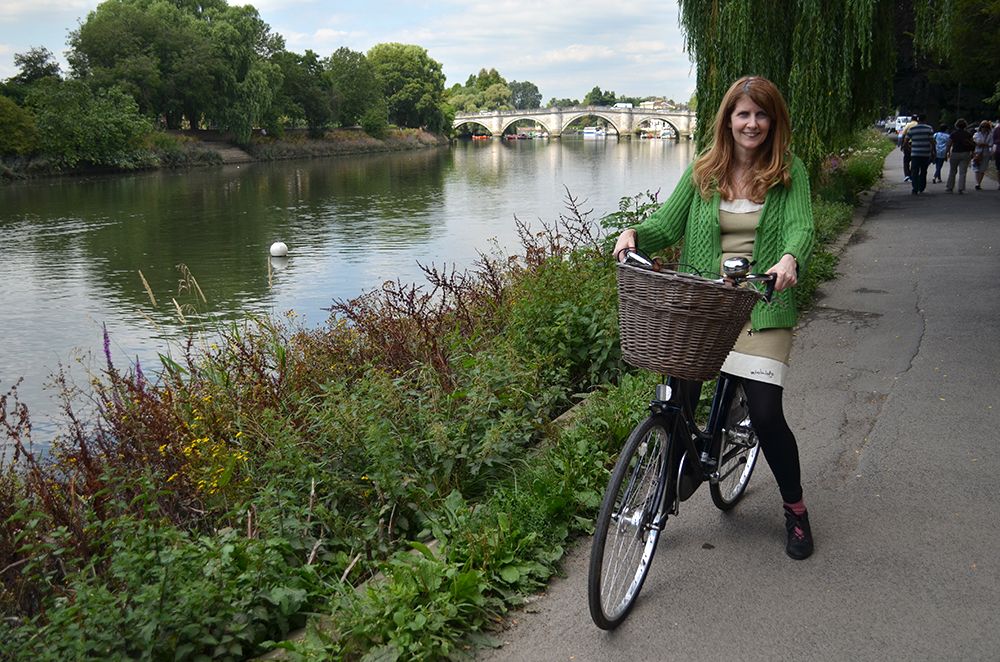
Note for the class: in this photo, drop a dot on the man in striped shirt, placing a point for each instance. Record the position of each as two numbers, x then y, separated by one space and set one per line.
920 139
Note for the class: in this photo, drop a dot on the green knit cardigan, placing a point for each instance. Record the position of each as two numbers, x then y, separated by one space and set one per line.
786 226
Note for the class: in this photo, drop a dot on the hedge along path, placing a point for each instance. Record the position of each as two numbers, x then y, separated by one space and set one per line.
325 623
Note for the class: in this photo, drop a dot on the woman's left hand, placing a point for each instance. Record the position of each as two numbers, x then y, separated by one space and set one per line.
786 272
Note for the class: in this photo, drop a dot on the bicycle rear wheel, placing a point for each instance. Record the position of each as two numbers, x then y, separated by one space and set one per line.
625 537
736 449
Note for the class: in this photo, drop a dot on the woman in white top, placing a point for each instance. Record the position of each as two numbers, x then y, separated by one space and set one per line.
981 155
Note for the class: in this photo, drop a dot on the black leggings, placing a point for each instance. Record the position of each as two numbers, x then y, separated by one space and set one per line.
776 438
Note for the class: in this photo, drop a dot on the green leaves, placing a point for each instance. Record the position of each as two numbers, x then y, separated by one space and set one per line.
833 61
412 84
76 125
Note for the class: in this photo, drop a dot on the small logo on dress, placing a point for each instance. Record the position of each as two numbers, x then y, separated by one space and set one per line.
763 373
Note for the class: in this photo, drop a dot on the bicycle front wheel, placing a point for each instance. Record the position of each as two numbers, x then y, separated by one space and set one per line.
626 534
736 451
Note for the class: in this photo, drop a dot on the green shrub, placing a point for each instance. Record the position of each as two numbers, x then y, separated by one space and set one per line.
77 126
375 121
17 129
170 595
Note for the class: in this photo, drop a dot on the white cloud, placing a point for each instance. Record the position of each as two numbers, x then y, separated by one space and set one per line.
19 9
572 53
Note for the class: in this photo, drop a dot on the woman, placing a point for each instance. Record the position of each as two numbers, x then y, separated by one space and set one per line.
960 146
748 195
941 138
981 155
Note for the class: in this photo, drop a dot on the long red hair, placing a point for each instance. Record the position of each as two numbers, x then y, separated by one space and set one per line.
772 162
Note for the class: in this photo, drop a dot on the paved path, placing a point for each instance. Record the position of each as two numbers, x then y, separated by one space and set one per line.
894 399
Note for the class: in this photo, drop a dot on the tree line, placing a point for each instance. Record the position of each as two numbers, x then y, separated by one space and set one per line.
488 90
141 65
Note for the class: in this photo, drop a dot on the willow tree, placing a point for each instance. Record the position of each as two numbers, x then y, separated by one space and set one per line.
833 59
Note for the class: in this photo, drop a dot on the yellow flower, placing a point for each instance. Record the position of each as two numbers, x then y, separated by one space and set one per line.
172 476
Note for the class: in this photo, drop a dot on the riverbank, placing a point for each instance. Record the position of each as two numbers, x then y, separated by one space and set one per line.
190 149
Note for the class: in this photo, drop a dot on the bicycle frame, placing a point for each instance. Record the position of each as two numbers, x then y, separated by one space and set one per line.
678 408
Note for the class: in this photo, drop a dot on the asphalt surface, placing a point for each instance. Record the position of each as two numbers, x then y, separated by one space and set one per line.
893 397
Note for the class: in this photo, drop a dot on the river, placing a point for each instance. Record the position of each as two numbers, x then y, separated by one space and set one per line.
74 248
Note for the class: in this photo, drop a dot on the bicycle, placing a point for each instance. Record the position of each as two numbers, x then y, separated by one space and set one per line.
668 455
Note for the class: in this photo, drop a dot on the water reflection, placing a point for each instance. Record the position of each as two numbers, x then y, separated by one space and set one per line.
75 247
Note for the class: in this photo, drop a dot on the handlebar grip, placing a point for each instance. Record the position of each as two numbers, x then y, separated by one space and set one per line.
769 290
769 280
637 258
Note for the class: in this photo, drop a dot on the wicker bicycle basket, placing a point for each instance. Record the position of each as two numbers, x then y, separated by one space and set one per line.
678 324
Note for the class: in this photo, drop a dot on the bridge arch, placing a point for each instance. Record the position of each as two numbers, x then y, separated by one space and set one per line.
457 123
574 116
666 120
544 123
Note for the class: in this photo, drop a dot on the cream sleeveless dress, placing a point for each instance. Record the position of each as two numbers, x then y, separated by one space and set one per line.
758 355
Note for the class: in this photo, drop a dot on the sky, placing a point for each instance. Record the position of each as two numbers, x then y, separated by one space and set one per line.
565 47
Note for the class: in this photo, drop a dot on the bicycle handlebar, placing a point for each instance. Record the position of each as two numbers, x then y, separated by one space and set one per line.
739 274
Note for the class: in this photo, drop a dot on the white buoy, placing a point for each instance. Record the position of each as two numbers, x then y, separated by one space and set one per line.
279 249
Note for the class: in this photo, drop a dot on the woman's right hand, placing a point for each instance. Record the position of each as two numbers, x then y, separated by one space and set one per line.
625 240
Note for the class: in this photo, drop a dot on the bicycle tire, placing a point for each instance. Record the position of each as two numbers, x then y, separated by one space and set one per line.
736 450
624 539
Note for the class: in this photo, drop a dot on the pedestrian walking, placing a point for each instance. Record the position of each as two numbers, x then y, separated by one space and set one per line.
905 147
940 151
919 138
983 140
996 150
747 194
960 146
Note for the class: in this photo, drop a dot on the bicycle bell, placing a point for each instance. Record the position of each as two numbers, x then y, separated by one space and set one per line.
736 267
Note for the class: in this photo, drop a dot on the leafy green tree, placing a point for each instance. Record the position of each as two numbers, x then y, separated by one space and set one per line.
598 98
496 97
967 52
17 129
78 126
355 85
200 60
251 80
412 84
35 64
159 53
834 61
375 119
485 79
524 95
305 96
562 103
466 101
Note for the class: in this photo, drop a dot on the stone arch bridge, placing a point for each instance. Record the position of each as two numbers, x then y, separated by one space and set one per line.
555 120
